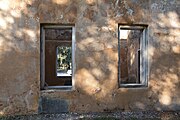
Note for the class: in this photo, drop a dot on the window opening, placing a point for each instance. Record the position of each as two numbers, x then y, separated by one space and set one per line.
64 61
57 56
132 55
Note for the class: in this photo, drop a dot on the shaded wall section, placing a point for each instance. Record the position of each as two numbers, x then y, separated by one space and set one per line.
96 55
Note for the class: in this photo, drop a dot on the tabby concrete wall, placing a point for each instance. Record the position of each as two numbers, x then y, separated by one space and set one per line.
96 55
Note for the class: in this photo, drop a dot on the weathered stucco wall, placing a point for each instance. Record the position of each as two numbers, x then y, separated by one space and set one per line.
96 82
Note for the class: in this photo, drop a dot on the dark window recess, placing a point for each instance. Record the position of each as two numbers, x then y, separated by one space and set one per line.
132 56
58 57
60 34
129 45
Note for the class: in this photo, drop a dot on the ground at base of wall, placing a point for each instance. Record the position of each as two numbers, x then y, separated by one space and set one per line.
148 115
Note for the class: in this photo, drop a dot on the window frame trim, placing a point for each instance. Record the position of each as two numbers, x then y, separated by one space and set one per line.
42 56
144 44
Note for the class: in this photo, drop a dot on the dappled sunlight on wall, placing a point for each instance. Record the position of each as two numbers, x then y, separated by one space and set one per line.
88 83
1 113
98 79
19 56
168 29
165 87
164 56
4 5
96 55
170 19
90 1
112 25
96 73
61 2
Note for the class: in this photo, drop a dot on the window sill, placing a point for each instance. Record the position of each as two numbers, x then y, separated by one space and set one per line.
133 86
57 88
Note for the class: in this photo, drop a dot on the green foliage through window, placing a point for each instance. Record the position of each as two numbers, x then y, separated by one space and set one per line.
64 60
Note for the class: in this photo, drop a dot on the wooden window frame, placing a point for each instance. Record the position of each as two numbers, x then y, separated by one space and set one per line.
143 54
42 56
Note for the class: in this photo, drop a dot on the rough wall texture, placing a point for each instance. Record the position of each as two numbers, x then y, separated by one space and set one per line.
96 82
